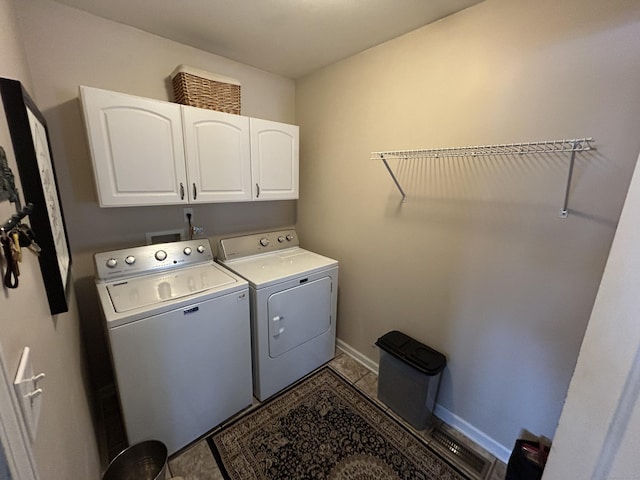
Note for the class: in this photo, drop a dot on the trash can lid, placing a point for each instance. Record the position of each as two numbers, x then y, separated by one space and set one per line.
416 354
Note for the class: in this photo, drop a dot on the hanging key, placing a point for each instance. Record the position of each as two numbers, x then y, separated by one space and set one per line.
15 236
27 239
16 254
23 239
34 247
12 272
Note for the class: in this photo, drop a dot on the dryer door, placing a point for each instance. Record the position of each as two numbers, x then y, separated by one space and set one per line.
298 314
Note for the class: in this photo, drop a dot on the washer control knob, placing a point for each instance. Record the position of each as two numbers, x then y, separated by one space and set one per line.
289 237
112 262
161 255
187 250
130 260
264 241
280 239
200 248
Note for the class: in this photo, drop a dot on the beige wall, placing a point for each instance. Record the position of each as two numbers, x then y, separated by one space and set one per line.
477 262
67 48
65 446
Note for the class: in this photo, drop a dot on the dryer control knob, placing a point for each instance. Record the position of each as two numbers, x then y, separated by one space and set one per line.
200 248
264 241
112 262
161 255
280 239
289 237
130 260
187 250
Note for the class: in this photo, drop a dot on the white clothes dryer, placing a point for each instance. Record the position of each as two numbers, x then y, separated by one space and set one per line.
293 295
179 335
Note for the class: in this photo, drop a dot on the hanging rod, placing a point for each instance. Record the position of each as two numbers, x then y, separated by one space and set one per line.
528 148
16 217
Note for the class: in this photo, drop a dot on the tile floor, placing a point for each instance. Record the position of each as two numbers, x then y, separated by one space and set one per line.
197 463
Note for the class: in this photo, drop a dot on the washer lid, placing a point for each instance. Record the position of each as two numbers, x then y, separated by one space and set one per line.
150 290
264 269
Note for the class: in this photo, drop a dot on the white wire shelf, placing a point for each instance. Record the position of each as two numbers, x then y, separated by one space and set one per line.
572 146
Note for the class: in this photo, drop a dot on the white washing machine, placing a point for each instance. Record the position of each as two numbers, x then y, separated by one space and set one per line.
179 334
293 306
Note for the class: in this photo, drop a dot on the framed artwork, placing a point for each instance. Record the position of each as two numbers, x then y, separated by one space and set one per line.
30 140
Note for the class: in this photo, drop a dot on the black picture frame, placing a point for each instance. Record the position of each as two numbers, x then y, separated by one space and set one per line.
32 149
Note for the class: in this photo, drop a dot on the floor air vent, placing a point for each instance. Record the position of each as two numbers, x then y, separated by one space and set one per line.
464 456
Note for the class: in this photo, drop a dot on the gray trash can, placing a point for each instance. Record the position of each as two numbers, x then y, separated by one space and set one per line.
409 377
143 461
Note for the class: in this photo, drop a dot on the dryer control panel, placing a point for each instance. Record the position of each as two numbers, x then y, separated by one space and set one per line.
151 258
246 245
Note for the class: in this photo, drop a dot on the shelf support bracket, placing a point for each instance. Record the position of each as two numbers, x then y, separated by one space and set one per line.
564 213
404 195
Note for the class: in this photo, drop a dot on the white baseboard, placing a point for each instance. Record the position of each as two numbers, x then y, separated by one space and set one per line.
349 350
494 448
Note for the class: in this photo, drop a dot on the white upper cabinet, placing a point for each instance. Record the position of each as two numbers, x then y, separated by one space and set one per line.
218 155
274 160
137 149
149 152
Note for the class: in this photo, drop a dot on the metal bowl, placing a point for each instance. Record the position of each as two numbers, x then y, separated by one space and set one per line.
143 461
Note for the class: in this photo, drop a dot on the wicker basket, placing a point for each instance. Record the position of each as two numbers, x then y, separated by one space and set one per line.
206 90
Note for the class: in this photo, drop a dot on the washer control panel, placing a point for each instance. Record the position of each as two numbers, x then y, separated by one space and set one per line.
237 247
149 258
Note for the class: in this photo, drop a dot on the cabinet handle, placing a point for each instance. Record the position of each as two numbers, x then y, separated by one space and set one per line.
195 193
181 191
257 191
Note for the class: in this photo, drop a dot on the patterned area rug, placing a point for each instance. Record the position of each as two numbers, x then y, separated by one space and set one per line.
324 428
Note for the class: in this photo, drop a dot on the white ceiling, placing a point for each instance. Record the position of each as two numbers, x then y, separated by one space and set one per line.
288 37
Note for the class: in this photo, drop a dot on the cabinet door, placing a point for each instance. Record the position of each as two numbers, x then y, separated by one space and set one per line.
137 149
274 160
218 155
